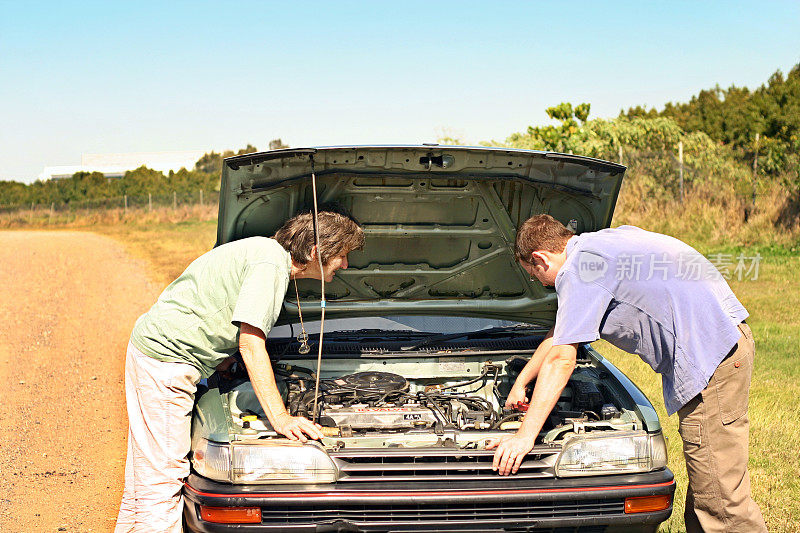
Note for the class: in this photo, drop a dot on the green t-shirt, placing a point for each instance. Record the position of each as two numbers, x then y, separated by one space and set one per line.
196 319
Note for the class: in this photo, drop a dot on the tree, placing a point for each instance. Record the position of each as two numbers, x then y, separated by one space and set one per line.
735 115
555 138
277 144
211 162
13 192
142 181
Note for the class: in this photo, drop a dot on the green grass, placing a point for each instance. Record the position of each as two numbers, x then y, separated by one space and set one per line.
773 301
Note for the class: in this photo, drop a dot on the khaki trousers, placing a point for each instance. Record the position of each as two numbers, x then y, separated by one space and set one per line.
715 430
160 398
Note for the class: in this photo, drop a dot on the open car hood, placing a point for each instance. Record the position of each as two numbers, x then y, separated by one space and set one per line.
439 221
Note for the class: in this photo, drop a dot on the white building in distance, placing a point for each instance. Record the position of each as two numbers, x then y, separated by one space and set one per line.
115 165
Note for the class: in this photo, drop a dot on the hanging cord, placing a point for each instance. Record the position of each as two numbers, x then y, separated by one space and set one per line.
303 337
315 415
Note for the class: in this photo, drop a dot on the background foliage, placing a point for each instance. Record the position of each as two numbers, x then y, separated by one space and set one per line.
85 187
735 115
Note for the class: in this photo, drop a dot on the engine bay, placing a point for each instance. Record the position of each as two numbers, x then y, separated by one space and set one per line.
385 401
414 402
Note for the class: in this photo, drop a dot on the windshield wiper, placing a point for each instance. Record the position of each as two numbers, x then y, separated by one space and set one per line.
513 330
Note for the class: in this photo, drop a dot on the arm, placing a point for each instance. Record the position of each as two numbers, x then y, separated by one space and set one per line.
530 371
254 352
554 373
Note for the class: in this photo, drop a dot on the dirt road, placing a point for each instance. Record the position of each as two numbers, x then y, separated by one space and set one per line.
68 301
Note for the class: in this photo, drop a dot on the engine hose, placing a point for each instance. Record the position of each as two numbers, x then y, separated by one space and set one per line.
506 419
445 420
465 383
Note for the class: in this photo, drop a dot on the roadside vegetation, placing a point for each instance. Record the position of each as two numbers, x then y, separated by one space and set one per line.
721 172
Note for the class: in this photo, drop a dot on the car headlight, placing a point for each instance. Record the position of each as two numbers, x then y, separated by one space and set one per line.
621 453
273 462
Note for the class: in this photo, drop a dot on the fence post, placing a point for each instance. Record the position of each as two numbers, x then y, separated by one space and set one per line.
149 202
680 167
755 172
50 219
201 197
125 201
620 153
30 216
174 200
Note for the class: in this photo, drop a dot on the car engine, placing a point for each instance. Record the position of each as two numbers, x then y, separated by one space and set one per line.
376 401
381 408
387 401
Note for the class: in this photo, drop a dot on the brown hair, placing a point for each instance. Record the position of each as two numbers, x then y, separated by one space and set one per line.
540 233
339 234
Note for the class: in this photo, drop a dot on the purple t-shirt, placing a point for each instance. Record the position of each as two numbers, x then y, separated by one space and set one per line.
651 295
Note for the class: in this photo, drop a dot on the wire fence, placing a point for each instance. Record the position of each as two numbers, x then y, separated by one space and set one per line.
147 202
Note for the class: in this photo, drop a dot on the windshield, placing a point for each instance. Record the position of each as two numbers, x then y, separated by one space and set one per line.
427 324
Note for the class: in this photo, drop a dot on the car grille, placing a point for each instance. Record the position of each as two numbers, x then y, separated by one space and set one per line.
435 465
508 512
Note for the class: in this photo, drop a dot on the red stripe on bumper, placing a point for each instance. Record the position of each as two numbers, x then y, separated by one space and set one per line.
306 495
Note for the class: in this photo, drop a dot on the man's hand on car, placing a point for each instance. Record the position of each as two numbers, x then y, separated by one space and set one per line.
558 362
511 450
297 427
516 397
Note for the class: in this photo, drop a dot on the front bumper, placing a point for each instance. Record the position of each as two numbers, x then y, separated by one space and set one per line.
593 504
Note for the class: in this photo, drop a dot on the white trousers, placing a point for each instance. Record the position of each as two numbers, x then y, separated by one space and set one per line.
159 398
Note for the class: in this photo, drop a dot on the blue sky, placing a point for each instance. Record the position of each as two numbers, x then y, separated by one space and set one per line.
97 77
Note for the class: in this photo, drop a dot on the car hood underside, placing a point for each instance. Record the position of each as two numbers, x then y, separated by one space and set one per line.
439 222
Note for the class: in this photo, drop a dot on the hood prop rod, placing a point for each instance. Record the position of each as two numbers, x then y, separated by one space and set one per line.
315 414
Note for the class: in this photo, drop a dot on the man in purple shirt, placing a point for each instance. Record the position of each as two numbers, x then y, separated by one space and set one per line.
657 297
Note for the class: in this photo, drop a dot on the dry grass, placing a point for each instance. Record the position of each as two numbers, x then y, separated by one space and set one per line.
167 247
713 216
168 239
87 218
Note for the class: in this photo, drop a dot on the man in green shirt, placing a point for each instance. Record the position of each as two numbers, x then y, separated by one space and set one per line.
226 301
